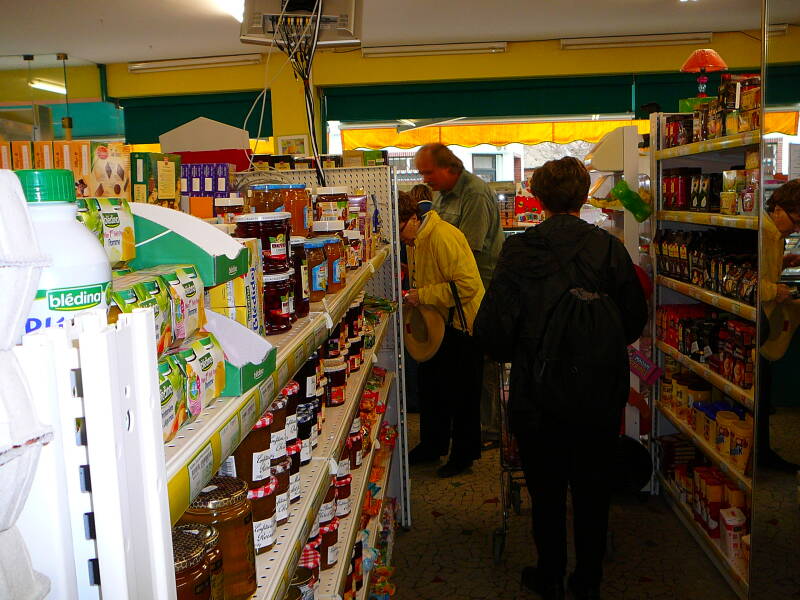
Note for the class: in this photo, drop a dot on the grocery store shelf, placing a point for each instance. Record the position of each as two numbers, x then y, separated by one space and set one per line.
708 297
742 396
725 465
200 448
716 219
729 142
274 569
736 579
332 581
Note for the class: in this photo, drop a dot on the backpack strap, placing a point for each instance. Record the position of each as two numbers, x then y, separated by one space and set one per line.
575 263
458 308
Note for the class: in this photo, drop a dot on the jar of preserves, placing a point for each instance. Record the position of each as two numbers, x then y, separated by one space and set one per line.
355 450
322 393
332 347
278 433
334 252
274 231
303 580
292 394
256 199
328 509
292 284
329 548
228 208
293 453
343 468
210 538
336 389
307 378
277 318
355 353
223 503
311 558
343 503
306 421
314 528
278 197
317 269
302 288
251 459
298 202
281 471
264 515
293 593
330 203
192 577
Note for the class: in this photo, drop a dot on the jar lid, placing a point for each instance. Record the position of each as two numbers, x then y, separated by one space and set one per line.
314 243
315 543
343 481
297 186
264 421
264 490
263 216
47 185
335 368
294 448
293 388
333 525
207 533
331 190
221 492
281 468
302 576
273 277
328 225
297 240
278 186
188 550
278 403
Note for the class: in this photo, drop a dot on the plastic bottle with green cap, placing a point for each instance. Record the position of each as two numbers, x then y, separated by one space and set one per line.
79 273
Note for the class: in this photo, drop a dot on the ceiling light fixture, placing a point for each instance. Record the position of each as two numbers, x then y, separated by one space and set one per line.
634 41
433 49
48 86
207 62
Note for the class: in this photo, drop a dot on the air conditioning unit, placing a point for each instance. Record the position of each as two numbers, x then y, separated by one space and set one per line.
340 26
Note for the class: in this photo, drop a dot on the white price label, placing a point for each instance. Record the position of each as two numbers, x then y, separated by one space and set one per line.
299 357
248 414
228 468
333 554
305 451
359 458
291 427
261 464
267 393
283 374
343 469
229 436
200 470
334 466
343 507
328 321
282 506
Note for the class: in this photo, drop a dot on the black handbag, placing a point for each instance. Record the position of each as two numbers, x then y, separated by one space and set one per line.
458 309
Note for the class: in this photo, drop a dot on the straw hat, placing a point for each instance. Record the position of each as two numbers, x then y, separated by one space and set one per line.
423 331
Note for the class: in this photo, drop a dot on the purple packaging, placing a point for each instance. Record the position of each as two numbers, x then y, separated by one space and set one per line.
224 172
185 175
208 178
196 175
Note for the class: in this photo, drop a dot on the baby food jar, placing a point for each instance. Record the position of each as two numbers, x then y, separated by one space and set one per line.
317 269
336 374
223 503
292 284
302 288
210 538
277 318
251 459
278 434
298 202
281 471
264 515
192 577
274 231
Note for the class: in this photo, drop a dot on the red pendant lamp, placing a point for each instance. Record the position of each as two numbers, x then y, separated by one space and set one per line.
703 61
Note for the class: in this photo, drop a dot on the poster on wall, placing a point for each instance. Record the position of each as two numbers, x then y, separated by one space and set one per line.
794 161
292 144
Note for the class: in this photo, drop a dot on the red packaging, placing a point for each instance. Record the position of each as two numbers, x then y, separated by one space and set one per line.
236 156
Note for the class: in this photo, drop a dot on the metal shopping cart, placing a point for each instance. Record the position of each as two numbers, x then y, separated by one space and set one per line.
511 477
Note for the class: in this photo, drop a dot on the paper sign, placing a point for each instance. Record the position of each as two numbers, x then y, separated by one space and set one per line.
248 414
229 436
200 470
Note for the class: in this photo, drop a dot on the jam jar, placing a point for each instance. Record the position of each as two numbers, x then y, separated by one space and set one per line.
228 208
307 378
332 348
210 538
322 393
292 284
298 202
343 503
292 394
330 203
343 468
281 471
274 231
277 318
336 374
353 242
329 548
293 452
251 459
355 353
192 577
264 515
317 269
302 288
306 421
356 440
328 509
278 433
334 252
303 580
311 557
223 503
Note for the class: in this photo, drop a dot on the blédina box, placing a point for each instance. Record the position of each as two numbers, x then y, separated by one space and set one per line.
115 221
185 288
109 175
143 291
172 390
156 178
242 299
202 362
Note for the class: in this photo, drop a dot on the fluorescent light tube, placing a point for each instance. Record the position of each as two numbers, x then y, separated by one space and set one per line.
207 62
48 86
632 41
433 49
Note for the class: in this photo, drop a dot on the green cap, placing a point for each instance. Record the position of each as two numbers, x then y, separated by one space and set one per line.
47 185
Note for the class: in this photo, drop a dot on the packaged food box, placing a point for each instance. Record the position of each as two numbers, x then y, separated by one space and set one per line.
185 289
21 154
732 530
202 362
352 158
172 389
734 181
752 159
81 164
109 175
261 162
43 155
375 158
136 290
62 158
5 155
246 291
728 203
330 161
116 221
732 122
156 178
750 98
749 120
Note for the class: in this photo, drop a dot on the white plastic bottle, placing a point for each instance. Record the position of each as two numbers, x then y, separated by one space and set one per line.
79 273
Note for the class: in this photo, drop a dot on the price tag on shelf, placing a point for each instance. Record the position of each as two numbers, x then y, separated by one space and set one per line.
299 356
229 435
736 309
283 373
308 345
714 301
249 416
374 358
267 393
729 389
333 466
328 321
371 268
325 303
201 469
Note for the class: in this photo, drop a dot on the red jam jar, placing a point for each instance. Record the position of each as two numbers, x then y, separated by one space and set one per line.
281 472
355 354
343 503
356 440
252 458
278 433
277 317
293 452
274 231
329 548
292 394
328 509
298 202
343 468
302 288
192 577
263 500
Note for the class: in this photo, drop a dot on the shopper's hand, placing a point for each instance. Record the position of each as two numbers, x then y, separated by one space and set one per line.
791 260
783 293
412 297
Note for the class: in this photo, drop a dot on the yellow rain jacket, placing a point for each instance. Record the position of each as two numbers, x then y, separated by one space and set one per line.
441 254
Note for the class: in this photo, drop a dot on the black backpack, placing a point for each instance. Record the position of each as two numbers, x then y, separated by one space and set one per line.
581 367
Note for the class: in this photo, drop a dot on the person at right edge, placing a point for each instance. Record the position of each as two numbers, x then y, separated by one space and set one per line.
563 305
781 219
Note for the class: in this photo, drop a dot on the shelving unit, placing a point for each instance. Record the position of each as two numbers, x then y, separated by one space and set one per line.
708 297
713 219
725 465
729 142
735 578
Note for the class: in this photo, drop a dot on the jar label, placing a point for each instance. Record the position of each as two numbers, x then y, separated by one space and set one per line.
278 444
277 247
336 271
344 468
291 302
307 592
261 464
337 395
306 217
314 528
311 386
282 506
285 304
358 458
314 436
319 277
291 427
305 451
343 507
228 468
327 511
333 554
217 586
264 532
304 280
294 487
356 426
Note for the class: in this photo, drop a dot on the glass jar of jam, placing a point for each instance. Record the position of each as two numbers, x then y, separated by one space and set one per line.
279 197
277 318
293 593
293 453
256 199
278 433
223 503
355 353
329 548
328 509
264 517
281 471
330 203
317 269
343 503
192 577
228 208
298 202
311 558
292 283
319 403
274 231
336 389
355 452
306 421
302 288
303 580
307 378
251 459
343 468
337 273
210 538
332 347
292 394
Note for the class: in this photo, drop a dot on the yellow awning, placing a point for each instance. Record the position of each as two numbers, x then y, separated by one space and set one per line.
781 122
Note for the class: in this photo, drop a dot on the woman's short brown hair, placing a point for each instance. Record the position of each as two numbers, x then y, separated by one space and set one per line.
421 193
562 185
787 197
406 207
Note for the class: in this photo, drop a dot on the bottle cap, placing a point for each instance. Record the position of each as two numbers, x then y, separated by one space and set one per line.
47 185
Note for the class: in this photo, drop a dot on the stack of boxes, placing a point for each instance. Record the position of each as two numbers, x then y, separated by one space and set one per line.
156 178
203 183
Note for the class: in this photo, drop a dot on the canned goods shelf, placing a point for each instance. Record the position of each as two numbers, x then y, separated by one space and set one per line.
708 297
742 396
739 140
275 568
725 465
715 219
733 575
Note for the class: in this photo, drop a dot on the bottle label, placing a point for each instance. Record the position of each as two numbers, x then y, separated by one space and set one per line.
343 507
311 386
261 464
356 426
305 451
306 217
304 279
264 532
277 444
344 468
282 506
337 395
52 308
319 277
228 468
291 427
358 458
291 302
294 487
327 511
285 304
276 247
336 271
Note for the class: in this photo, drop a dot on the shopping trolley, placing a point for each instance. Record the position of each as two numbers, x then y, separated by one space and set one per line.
511 476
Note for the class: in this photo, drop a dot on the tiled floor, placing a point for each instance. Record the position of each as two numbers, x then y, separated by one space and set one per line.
447 554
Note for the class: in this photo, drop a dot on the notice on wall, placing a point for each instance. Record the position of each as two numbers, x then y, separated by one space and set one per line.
794 161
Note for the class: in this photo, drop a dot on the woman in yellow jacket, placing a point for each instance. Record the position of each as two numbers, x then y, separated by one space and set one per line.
450 382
